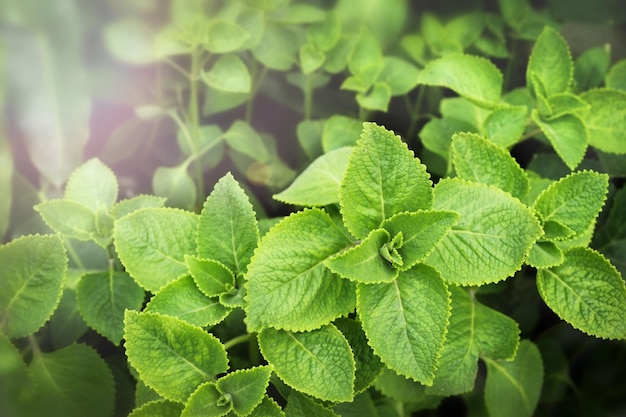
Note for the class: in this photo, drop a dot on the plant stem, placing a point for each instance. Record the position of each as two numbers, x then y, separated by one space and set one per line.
237 340
415 111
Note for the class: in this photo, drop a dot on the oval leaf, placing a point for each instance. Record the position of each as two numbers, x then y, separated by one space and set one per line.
229 74
246 388
551 64
606 120
93 184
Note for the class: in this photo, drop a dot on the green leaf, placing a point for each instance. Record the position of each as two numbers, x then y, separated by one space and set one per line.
66 324
207 401
182 299
436 135
130 205
551 63
421 231
368 365
319 363
475 330
212 277
377 98
505 125
69 218
512 388
154 338
311 58
383 178
130 40
606 120
267 408
288 285
6 175
399 75
102 299
478 160
545 255
514 12
152 244
326 33
616 76
245 388
364 262
340 131
415 47
609 238
366 53
160 408
565 103
393 319
471 77
318 184
568 136
176 185
493 236
33 272
242 138
299 405
230 74
591 67
225 36
89 391
404 390
277 49
573 202
227 231
309 134
93 185
587 292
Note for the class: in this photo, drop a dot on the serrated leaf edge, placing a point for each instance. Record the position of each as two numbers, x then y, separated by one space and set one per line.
241 371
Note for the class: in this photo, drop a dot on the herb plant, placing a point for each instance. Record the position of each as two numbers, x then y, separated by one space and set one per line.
453 268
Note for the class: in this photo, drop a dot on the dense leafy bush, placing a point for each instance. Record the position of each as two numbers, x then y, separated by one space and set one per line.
312 208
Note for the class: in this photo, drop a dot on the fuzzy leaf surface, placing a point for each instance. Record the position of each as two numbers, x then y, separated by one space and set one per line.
606 120
267 408
130 205
33 272
551 64
318 184
471 77
102 299
159 408
246 388
206 401
152 244
504 126
545 254
93 184
299 405
383 178
475 330
181 352
568 136
405 321
478 160
288 285
319 363
512 388
211 277
182 299
493 235
69 218
227 231
573 202
587 292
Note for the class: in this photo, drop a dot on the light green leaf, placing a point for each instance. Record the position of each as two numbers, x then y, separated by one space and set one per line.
591 67
207 401
421 231
615 79
505 125
102 299
299 405
277 49
159 408
130 40
311 58
176 185
319 363
325 34
253 21
93 185
587 292
567 134
288 285
229 74
545 255
565 103
393 319
154 338
377 98
515 12
368 365
309 134
383 178
366 53
33 272
225 36
551 63
244 139
318 184
465 29
130 205
463 110
399 75
182 299
152 244
89 391
478 160
245 388
340 131
364 262
475 330
436 135
227 231
512 388
415 47
493 236
212 277
555 230
267 408
69 218
471 77
573 202
606 120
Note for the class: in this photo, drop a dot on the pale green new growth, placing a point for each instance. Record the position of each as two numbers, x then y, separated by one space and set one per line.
245 388
211 277
567 135
230 74
93 185
606 120
206 401
504 126
319 363
130 205
551 64
545 254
